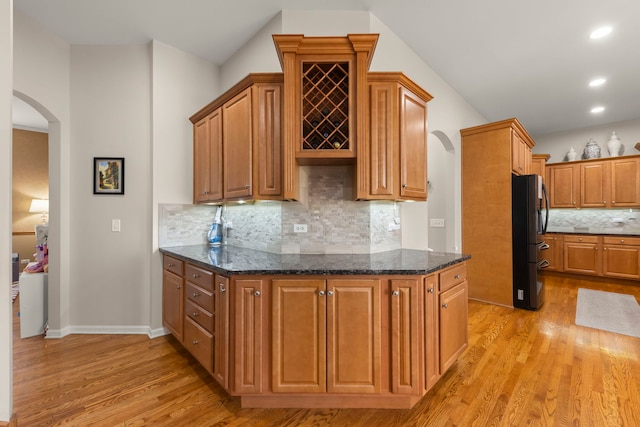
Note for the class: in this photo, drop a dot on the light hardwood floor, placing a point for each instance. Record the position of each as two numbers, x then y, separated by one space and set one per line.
521 368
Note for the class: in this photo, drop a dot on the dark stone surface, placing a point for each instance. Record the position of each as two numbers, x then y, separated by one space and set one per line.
230 260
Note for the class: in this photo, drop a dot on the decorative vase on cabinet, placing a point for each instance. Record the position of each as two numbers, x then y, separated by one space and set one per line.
591 149
614 145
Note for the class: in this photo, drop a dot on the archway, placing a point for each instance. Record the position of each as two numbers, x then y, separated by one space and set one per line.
442 191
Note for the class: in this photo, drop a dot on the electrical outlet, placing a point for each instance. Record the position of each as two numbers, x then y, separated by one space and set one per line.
299 228
25 261
520 294
115 225
437 222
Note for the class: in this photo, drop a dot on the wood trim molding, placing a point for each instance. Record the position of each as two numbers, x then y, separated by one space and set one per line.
23 233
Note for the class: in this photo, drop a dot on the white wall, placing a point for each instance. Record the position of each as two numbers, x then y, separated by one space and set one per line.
6 329
42 78
181 84
557 144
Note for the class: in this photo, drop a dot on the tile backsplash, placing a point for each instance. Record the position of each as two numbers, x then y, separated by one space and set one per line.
627 219
335 223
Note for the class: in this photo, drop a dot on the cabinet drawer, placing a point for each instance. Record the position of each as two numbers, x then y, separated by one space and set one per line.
199 343
452 276
199 315
199 296
199 276
622 240
573 238
173 264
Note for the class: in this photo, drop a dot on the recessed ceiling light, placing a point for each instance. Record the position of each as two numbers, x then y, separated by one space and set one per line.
598 109
600 32
597 82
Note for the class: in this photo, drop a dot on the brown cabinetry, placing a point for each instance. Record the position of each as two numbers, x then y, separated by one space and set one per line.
172 296
199 304
405 366
553 254
520 155
326 336
453 315
394 165
431 331
487 169
621 257
613 182
238 143
220 328
582 254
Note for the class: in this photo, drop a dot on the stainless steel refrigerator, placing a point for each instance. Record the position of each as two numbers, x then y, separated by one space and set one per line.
529 217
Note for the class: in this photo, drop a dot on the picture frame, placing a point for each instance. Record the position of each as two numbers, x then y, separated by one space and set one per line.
108 175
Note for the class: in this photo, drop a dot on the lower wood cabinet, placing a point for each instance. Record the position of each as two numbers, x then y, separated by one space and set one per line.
582 254
621 257
326 336
319 341
554 254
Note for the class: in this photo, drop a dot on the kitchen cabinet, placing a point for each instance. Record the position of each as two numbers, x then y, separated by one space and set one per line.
564 185
554 253
582 254
621 257
172 296
431 331
326 336
249 328
539 165
452 298
405 366
221 331
199 308
487 169
520 155
595 183
394 165
238 143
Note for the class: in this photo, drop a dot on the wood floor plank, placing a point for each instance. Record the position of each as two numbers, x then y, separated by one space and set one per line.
520 368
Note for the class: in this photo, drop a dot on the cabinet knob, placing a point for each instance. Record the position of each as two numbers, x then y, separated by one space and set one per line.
329 293
457 276
195 276
445 305
170 265
257 293
195 314
621 240
595 248
613 201
194 342
178 286
430 290
404 185
246 186
321 293
580 239
222 289
196 295
395 293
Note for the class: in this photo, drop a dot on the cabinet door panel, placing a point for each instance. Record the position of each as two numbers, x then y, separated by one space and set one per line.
207 153
583 258
413 146
404 337
172 303
249 297
431 331
621 261
625 183
268 139
593 191
221 331
353 336
453 325
383 138
564 182
237 140
299 336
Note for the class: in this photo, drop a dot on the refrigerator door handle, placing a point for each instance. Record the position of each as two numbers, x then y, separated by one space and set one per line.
543 245
546 205
543 264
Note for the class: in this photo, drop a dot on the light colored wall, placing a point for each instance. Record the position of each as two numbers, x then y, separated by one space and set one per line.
6 328
30 172
557 144
181 84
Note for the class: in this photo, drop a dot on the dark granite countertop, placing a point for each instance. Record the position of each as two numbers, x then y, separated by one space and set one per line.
230 260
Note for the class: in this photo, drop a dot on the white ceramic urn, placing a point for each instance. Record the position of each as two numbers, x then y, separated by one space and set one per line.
614 145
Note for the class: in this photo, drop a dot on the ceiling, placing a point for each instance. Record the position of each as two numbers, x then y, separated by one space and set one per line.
531 60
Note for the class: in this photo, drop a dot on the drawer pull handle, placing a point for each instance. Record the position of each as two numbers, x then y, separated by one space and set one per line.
222 289
178 286
195 276
170 265
195 314
457 276
431 290
194 342
445 305
196 295
621 240
257 293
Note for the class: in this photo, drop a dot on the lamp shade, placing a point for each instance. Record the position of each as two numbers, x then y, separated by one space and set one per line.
39 205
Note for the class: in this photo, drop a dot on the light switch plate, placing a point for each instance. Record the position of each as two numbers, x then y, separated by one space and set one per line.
115 225
437 222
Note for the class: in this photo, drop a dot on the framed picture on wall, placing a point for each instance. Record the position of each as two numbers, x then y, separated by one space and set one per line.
108 175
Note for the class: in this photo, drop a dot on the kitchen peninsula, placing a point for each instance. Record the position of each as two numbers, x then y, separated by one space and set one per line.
303 330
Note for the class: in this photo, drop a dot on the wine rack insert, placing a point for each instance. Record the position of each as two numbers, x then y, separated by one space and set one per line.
325 106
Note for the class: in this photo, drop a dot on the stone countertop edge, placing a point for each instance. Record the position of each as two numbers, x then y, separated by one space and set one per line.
230 260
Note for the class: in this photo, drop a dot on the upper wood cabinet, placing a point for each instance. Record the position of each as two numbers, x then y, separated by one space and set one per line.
597 183
394 163
539 165
520 154
238 143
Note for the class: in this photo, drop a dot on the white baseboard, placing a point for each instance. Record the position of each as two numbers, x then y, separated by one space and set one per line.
113 330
